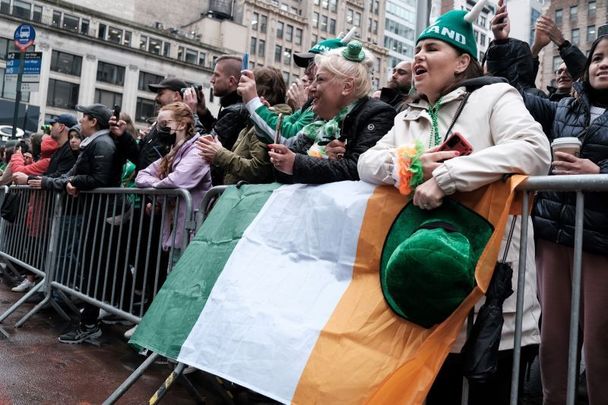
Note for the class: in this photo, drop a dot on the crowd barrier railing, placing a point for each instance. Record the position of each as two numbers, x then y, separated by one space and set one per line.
578 184
110 247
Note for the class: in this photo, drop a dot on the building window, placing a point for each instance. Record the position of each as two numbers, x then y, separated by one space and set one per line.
573 13
591 33
559 15
324 23
315 20
5 8
332 26
110 73
482 39
71 23
191 55
298 37
144 110
278 51
155 46
56 21
280 26
289 33
84 27
287 56
325 4
357 20
62 94
108 98
143 42
22 9
101 31
37 15
202 58
253 46
333 5
591 8
263 23
575 36
254 21
166 49
6 46
286 77
313 40
66 63
556 62
146 78
262 48
349 16
317 2
127 39
482 21
115 35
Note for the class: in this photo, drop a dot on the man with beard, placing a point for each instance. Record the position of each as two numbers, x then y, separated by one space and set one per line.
398 87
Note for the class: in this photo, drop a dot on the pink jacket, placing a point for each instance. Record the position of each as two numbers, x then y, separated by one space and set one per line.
189 172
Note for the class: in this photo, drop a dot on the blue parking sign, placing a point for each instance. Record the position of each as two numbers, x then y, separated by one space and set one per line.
24 36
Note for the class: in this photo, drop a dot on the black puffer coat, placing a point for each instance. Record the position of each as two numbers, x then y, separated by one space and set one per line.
369 120
554 212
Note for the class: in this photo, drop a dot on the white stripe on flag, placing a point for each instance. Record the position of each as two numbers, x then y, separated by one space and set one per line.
279 288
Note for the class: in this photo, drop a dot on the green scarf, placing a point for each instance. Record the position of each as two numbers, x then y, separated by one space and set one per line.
322 132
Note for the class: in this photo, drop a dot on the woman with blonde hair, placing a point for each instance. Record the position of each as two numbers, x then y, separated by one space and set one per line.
345 112
181 168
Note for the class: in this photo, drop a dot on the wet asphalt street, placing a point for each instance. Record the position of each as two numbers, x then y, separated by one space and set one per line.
36 369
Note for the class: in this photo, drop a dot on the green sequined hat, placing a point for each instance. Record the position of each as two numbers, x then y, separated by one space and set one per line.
354 52
456 28
428 261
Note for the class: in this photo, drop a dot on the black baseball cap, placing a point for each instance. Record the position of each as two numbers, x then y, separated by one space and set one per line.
66 119
99 111
171 84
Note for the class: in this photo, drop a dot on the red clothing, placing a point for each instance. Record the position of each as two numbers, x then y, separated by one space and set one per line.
47 148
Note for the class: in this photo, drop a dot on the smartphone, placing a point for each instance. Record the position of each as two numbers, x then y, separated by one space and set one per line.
458 143
116 112
245 64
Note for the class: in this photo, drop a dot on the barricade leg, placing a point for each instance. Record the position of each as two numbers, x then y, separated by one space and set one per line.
20 302
576 299
124 387
160 393
519 308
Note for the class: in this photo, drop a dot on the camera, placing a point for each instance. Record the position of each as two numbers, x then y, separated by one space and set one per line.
196 87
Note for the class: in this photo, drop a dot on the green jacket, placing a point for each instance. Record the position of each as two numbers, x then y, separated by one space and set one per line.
265 119
248 160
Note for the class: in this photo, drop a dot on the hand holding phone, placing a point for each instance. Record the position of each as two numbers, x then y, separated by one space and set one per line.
456 142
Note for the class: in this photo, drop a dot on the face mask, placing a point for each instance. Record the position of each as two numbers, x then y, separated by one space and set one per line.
165 135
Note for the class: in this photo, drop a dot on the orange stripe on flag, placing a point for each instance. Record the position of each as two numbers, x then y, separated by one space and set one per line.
366 353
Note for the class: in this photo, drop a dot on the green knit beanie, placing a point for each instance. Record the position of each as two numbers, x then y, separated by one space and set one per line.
452 28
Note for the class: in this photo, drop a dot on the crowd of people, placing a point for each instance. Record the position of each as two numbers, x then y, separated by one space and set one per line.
330 126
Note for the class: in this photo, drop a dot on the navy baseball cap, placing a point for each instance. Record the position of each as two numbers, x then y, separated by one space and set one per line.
66 119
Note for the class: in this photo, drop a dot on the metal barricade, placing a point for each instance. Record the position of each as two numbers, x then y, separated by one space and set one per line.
206 205
109 247
571 183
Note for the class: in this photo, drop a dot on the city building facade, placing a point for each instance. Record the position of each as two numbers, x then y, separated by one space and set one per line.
579 22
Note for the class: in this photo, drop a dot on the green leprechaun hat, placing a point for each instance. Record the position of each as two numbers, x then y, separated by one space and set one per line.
456 28
428 261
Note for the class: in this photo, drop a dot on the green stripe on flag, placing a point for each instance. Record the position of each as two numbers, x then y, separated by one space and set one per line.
179 303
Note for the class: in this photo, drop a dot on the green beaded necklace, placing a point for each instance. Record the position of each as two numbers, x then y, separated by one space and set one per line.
435 138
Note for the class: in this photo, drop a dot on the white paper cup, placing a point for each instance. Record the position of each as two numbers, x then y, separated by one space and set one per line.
570 145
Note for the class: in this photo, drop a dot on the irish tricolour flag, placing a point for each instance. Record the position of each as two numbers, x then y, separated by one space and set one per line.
279 292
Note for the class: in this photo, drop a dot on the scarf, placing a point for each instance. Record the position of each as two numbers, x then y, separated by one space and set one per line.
322 132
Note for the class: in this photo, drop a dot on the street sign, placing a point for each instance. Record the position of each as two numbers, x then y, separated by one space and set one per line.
32 63
24 36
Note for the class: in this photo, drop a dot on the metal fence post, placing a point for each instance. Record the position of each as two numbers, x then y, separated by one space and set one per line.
576 299
519 308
